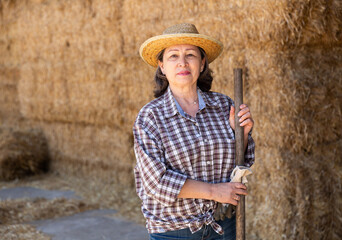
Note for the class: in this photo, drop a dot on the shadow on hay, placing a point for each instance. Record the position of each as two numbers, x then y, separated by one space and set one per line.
22 153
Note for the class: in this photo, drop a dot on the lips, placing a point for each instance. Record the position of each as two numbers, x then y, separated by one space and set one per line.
183 73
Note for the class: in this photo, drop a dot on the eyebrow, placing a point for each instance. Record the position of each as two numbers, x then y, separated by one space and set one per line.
178 50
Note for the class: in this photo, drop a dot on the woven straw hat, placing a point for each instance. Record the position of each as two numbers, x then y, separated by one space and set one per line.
184 33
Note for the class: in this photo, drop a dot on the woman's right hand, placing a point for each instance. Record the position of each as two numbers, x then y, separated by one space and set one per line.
228 192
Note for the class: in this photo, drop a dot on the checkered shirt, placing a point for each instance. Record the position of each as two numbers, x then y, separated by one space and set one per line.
171 148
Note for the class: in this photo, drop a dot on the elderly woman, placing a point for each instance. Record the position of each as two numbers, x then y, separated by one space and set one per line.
184 140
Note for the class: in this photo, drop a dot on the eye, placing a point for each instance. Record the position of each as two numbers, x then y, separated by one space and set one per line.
191 55
173 56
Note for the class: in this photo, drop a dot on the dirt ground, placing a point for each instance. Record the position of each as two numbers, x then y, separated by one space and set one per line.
94 193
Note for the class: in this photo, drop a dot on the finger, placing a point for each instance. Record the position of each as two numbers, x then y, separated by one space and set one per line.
242 106
241 192
234 202
239 185
246 122
243 111
245 116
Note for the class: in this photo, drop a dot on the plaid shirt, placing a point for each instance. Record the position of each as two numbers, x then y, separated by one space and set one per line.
171 147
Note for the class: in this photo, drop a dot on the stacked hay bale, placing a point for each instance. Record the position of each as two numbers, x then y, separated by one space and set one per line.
75 81
82 81
9 100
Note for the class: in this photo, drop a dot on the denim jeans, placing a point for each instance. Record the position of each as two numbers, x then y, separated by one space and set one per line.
206 232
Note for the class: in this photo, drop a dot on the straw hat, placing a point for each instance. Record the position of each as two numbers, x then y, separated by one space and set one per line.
184 33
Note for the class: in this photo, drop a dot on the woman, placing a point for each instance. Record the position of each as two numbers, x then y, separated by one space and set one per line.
184 140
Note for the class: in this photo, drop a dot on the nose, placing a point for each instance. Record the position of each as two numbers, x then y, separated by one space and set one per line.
182 61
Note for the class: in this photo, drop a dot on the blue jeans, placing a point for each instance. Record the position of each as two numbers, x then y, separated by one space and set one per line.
206 232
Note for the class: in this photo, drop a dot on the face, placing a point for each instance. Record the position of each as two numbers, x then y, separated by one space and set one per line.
182 65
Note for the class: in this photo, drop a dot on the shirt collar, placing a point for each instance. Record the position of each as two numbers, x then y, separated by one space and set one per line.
201 103
208 99
171 106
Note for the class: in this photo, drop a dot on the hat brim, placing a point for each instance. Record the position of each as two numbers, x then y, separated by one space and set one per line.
151 47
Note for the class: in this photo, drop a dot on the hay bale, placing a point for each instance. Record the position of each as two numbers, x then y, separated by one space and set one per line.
239 24
22 154
97 93
87 149
9 99
293 95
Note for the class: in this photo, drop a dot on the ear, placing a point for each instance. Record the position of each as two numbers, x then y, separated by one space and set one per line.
202 64
161 65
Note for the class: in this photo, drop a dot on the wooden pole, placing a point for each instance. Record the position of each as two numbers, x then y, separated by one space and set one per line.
239 151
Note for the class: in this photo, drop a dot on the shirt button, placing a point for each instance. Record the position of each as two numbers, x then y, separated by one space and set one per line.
205 140
208 162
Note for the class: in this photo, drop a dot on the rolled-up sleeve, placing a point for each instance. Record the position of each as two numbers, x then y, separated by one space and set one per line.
250 152
153 178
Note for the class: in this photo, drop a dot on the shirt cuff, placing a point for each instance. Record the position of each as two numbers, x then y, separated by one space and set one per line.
169 187
249 154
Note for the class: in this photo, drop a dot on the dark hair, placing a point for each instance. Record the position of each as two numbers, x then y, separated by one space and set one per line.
203 82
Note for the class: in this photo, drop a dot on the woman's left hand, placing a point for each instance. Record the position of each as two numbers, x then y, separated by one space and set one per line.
245 118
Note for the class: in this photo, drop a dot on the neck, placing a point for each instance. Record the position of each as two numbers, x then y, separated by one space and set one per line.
185 95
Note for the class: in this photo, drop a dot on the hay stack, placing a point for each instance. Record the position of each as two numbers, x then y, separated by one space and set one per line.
22 154
77 74
296 188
